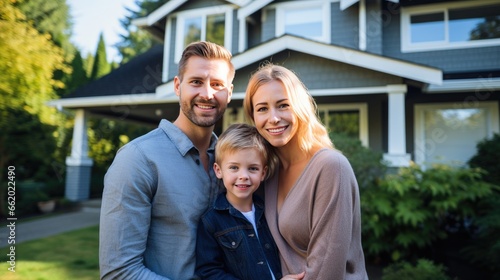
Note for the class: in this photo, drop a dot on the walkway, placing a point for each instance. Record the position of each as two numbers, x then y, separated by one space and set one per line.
87 216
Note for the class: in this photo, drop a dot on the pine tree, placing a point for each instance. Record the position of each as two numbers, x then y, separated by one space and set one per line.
79 75
101 65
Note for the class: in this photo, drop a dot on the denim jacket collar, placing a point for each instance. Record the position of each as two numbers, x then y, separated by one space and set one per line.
221 204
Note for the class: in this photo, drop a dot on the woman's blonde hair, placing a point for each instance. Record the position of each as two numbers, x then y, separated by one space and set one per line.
311 132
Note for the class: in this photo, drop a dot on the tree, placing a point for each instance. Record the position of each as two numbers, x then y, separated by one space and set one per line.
137 41
489 29
52 18
79 76
101 65
28 61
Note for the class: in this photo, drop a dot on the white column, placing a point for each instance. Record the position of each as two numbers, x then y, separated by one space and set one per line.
242 40
396 151
78 164
362 25
79 147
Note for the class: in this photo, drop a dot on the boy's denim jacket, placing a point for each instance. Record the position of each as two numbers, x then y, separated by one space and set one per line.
227 247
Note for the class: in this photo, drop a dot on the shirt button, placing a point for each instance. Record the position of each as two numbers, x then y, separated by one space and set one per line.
267 246
233 243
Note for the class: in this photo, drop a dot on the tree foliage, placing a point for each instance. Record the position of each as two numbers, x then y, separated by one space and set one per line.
415 208
28 61
137 41
101 65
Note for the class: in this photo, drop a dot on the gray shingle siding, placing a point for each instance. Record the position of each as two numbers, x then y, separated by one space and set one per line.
236 31
268 24
344 26
373 27
318 73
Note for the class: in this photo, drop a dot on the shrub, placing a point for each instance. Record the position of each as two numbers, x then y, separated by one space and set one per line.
423 270
488 152
366 163
411 210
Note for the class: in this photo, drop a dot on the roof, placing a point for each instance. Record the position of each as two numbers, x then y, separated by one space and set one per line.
140 75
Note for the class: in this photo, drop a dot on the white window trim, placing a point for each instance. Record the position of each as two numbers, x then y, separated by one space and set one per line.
362 108
325 7
406 13
490 106
202 12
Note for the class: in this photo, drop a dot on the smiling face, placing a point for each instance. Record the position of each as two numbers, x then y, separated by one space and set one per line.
272 114
242 171
204 91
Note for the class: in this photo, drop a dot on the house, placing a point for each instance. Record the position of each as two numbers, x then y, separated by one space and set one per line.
415 79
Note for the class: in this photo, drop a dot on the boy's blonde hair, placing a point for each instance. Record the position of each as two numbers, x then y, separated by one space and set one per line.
243 136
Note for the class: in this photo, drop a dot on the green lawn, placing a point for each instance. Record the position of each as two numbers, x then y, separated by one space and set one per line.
72 255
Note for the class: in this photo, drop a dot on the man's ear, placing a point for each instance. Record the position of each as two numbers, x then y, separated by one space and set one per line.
177 86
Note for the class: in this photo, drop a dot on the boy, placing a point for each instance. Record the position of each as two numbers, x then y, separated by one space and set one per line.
234 241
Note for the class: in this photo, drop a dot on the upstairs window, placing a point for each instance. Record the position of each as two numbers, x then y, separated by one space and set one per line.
308 19
212 24
458 25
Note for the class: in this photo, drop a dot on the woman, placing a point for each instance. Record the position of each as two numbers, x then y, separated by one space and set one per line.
312 199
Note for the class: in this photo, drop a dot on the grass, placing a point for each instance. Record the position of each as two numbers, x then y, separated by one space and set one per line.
72 255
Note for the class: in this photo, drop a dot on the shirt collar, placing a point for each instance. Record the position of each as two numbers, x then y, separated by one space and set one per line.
180 140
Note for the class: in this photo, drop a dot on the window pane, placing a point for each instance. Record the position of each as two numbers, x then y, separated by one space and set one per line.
427 28
451 135
215 29
306 23
192 30
343 122
474 23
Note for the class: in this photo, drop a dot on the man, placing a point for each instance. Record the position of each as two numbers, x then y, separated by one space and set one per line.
161 183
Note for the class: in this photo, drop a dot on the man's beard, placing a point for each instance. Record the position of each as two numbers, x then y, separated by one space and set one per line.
200 120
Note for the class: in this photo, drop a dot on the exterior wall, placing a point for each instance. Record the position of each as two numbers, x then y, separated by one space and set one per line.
373 27
344 26
318 73
268 24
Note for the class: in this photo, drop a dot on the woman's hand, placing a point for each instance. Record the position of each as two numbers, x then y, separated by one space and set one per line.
294 276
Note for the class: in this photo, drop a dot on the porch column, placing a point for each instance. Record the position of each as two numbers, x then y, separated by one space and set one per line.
396 154
78 165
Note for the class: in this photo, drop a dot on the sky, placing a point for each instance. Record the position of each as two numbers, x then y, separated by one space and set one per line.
91 17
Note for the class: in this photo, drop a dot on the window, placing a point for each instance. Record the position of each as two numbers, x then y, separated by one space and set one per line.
347 119
308 19
447 133
212 24
455 26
